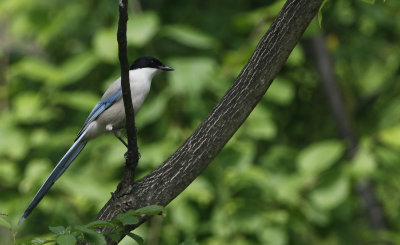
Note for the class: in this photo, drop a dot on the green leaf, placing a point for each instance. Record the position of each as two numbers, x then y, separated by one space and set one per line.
8 172
374 78
151 111
38 69
281 92
78 66
296 57
78 100
114 236
106 46
99 223
190 36
83 229
30 107
314 214
5 223
13 142
200 191
150 210
391 136
90 235
185 216
274 235
320 156
331 196
57 229
66 239
259 125
135 237
97 239
141 28
198 70
320 13
364 163
127 218
34 172
40 241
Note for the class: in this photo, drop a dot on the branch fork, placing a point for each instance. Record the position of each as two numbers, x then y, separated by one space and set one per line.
166 182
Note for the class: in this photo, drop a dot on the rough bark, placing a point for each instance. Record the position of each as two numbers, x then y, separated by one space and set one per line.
167 181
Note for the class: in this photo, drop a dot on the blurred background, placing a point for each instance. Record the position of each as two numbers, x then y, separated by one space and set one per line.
295 173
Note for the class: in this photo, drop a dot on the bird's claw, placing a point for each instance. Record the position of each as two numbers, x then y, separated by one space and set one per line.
127 155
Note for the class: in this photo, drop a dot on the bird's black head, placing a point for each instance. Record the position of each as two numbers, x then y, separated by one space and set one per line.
149 62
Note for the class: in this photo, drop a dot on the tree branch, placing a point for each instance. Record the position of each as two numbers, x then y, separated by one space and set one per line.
167 181
132 156
365 189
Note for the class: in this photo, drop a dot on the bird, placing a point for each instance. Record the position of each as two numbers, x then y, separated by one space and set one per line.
107 116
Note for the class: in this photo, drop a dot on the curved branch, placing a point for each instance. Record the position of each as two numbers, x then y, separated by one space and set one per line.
167 181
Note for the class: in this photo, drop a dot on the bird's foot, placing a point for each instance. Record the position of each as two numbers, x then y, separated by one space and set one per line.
126 155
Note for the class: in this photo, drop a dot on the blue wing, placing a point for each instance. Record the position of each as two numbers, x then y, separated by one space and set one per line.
103 105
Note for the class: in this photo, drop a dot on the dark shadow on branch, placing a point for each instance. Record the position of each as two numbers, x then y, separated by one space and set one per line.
166 182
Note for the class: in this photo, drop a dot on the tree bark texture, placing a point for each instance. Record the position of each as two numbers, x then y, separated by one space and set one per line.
166 182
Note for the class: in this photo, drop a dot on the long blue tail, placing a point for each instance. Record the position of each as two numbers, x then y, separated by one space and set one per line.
62 165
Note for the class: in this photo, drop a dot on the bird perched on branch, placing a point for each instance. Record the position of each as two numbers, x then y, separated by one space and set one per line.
107 116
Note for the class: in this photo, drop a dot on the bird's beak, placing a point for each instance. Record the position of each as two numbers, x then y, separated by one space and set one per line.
165 68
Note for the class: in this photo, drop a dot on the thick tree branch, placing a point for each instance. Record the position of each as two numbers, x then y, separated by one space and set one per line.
132 156
167 181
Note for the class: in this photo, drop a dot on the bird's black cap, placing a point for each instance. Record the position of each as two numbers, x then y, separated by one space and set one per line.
149 62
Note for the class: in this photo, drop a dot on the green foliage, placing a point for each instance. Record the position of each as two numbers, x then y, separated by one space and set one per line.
147 24
86 233
5 223
66 239
190 37
320 13
189 242
372 1
284 177
319 157
135 237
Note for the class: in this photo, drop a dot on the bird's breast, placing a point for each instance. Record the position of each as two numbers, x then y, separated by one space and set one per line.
139 92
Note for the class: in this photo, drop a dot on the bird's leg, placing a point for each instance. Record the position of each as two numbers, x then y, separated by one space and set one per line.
117 134
123 141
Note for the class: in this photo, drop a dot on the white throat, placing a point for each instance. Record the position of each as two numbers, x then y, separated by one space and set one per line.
143 74
140 81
